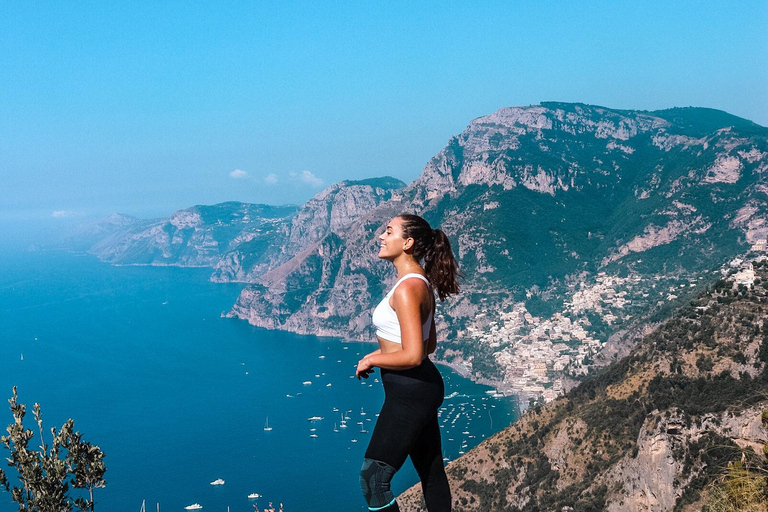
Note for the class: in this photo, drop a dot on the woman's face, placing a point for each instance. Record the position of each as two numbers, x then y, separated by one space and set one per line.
392 241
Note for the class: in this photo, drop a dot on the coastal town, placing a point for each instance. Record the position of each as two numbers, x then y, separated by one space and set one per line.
540 356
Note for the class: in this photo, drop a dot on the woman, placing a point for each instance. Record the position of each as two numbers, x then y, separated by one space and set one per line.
413 388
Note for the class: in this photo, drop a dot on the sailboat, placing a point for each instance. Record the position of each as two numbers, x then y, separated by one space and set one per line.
343 423
335 428
266 425
143 506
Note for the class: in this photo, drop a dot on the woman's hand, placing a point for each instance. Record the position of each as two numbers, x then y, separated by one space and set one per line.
364 368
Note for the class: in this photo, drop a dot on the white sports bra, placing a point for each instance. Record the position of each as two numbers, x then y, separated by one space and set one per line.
385 319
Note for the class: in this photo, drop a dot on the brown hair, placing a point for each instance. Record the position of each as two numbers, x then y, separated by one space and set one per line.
433 246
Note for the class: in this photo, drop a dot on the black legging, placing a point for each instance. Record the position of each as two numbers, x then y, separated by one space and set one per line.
407 425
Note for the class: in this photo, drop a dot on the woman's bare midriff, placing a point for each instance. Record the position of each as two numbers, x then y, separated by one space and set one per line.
387 347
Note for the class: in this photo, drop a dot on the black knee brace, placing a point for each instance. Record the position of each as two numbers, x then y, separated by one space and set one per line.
375 477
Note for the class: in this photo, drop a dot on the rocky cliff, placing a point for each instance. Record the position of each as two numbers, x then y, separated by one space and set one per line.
195 237
330 212
679 422
576 226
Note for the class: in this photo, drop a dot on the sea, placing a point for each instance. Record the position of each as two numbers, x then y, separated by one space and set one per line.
178 396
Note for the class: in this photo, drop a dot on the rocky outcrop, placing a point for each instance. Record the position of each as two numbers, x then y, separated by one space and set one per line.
332 211
194 237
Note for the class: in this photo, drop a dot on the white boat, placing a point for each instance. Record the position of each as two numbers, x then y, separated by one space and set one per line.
194 506
307 382
254 495
328 385
218 481
313 435
335 428
266 425
314 418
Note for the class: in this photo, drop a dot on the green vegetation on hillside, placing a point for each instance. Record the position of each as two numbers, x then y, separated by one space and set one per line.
706 364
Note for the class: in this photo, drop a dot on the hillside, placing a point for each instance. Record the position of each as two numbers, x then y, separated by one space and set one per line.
653 431
198 236
577 226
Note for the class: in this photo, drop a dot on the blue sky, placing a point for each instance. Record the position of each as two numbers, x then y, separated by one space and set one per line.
147 107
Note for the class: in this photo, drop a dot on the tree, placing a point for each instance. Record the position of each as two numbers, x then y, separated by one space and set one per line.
45 474
87 467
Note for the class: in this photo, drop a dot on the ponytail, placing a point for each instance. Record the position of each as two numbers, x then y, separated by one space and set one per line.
433 246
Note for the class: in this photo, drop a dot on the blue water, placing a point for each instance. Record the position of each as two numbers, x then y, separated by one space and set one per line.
177 396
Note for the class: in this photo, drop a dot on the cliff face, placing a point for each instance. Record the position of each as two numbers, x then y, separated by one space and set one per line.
574 224
197 236
330 212
654 431
325 284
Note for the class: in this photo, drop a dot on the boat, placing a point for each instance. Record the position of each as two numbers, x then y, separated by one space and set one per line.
328 385
218 481
266 425
314 418
307 382
313 435
254 495
194 506
335 428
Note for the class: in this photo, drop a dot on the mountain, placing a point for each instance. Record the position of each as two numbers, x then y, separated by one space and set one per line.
87 235
578 227
329 212
679 424
198 236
